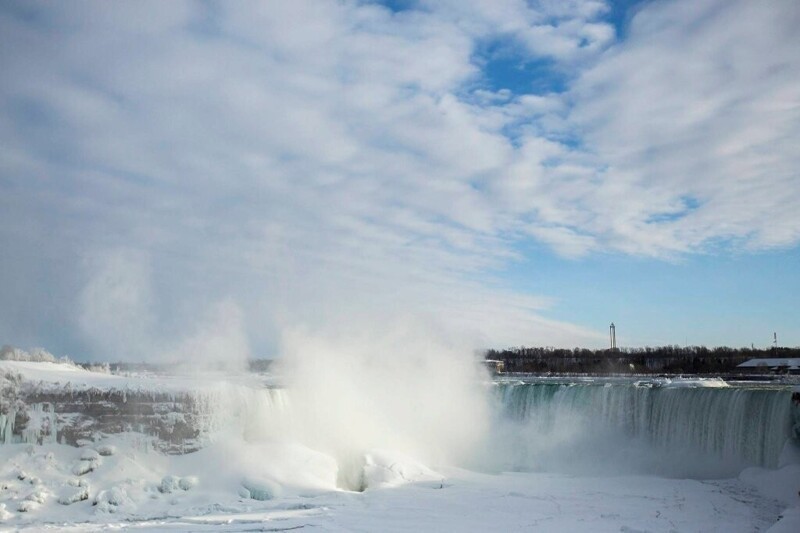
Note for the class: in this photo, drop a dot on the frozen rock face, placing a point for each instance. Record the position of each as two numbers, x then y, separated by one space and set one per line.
75 417
82 406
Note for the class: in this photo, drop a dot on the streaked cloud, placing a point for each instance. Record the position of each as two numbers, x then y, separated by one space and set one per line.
292 161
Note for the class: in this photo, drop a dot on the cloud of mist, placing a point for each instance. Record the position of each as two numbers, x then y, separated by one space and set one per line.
399 386
116 305
219 341
249 151
118 316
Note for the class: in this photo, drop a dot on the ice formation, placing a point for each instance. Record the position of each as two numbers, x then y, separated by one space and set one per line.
217 447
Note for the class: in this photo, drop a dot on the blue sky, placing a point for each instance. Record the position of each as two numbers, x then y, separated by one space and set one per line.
713 300
208 177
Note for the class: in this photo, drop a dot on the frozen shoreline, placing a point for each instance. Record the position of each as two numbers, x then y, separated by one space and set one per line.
238 482
453 499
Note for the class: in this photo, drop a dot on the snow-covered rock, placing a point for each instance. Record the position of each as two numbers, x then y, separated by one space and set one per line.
82 467
114 500
188 483
106 450
5 514
169 484
69 495
90 455
388 469
261 489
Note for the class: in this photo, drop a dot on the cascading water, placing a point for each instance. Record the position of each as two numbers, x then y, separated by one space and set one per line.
251 412
350 412
686 430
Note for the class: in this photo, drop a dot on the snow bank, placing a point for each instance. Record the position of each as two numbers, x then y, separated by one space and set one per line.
384 468
238 486
789 522
61 483
782 484
58 375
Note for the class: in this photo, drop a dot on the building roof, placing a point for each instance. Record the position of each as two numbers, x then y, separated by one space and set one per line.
776 362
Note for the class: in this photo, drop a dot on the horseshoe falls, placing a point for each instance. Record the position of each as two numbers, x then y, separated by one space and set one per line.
325 446
670 428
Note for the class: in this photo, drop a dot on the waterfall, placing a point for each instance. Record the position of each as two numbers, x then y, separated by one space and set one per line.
742 425
247 411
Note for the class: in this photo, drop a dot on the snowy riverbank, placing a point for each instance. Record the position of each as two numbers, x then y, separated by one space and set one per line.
257 468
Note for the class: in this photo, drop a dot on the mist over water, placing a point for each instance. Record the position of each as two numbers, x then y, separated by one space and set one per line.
359 380
397 391
356 383
424 400
400 394
667 429
355 409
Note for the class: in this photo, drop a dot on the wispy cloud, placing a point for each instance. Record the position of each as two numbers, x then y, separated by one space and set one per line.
307 160
700 106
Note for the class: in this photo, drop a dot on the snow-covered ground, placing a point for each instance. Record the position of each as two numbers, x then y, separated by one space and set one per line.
249 479
141 491
77 378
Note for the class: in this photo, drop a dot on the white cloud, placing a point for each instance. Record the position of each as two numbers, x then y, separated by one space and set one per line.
566 31
304 160
702 101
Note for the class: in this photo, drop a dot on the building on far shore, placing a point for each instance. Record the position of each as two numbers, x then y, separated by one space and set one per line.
497 366
778 365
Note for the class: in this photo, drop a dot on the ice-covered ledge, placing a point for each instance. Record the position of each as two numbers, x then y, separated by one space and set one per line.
47 402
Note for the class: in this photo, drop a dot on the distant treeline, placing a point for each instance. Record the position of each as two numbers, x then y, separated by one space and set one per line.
658 359
253 365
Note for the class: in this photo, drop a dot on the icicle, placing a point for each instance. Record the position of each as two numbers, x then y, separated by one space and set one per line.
7 426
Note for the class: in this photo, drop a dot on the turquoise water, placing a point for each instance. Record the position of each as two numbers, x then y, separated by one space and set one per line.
682 428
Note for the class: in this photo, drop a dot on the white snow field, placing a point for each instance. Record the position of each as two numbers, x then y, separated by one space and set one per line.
540 465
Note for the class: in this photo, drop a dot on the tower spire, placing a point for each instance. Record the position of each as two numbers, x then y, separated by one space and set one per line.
612 333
